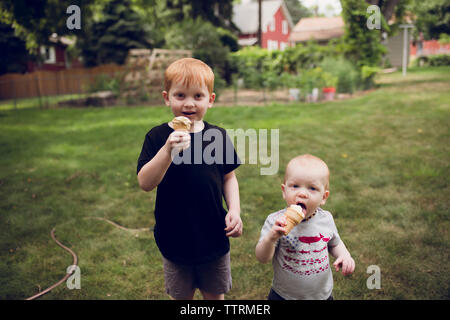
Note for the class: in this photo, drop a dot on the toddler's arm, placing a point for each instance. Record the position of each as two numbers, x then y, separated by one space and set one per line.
265 249
343 259
153 171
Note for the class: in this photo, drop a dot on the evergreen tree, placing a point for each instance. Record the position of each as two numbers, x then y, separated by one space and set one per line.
119 30
14 53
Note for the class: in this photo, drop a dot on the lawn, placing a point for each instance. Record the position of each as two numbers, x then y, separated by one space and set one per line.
388 152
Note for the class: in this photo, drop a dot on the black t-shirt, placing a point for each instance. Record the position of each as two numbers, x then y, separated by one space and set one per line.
189 215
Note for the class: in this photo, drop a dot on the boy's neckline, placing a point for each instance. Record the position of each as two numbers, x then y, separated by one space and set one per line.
199 126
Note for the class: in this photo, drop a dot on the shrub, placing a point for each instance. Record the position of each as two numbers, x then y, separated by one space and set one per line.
344 71
104 82
368 76
439 60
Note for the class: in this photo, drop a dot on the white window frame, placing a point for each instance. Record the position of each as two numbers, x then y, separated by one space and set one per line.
284 27
272 45
51 56
271 26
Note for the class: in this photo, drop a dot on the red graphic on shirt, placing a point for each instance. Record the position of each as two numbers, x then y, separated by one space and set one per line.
306 255
310 240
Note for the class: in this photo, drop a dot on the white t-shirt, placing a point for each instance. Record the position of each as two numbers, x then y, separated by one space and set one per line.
300 262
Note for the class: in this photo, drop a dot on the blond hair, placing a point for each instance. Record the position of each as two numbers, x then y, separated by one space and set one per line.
188 71
310 159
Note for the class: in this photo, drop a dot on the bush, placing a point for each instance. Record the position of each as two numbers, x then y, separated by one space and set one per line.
104 82
305 56
439 60
344 71
249 64
368 76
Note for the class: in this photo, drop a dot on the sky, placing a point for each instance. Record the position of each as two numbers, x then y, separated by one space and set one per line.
327 7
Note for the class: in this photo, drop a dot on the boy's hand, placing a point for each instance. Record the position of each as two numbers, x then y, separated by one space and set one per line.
347 264
234 224
178 141
278 229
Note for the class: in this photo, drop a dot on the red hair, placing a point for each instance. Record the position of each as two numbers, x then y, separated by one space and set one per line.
188 71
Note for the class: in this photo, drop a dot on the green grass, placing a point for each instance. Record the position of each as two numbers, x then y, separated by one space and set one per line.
388 152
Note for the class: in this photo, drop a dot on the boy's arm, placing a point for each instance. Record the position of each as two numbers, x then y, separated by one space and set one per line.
231 194
265 249
343 258
152 173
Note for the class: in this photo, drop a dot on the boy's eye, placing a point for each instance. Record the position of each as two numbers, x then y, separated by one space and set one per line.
198 96
313 188
179 95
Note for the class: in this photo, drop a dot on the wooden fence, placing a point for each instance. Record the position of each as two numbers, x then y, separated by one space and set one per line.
50 83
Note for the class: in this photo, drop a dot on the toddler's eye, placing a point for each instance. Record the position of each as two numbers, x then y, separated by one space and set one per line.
180 95
198 96
313 188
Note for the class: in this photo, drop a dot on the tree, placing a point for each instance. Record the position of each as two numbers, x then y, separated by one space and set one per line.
432 17
362 45
36 20
14 52
218 12
119 30
297 10
387 7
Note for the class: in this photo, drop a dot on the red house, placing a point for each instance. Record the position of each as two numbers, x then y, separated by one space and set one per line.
276 23
54 57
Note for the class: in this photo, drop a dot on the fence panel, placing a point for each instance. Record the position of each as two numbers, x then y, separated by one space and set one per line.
50 83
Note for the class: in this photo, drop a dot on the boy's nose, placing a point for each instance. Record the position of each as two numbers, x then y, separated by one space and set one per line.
189 103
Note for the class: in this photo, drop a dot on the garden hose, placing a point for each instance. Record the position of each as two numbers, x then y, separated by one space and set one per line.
75 258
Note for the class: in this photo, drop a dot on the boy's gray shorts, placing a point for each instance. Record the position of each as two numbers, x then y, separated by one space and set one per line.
212 277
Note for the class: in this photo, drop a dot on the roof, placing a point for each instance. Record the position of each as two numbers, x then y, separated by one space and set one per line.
245 14
318 28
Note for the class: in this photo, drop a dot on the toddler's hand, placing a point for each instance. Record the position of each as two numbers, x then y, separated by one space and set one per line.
278 228
178 141
346 263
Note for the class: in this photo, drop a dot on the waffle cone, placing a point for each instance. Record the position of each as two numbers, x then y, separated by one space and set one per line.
293 218
181 124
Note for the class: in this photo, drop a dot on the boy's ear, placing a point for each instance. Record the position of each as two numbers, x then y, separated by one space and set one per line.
165 95
212 98
325 197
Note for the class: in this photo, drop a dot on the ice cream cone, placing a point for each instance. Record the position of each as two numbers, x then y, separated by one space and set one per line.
181 123
294 215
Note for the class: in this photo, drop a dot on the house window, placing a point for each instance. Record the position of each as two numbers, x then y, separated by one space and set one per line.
48 54
271 26
272 44
283 45
284 27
